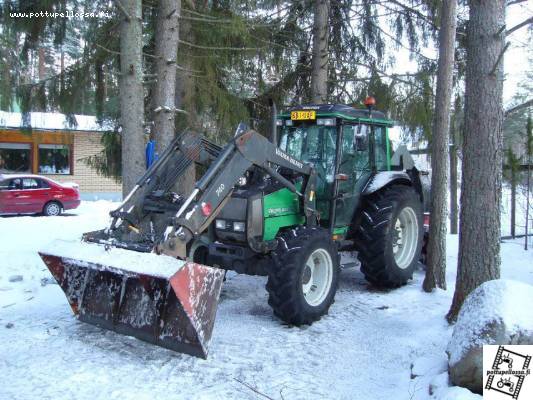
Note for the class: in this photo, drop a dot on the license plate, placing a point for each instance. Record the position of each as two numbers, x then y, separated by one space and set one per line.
302 115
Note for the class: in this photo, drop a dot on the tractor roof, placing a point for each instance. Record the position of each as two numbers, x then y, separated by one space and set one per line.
340 111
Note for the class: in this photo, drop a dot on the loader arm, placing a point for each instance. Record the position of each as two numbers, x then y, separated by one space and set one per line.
214 189
154 218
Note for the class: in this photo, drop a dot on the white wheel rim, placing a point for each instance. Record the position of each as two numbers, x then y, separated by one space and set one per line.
317 277
405 237
53 209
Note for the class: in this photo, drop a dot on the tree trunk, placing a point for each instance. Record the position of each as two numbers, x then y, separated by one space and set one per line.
529 152
513 200
319 63
184 100
166 51
453 182
479 225
42 64
436 266
131 95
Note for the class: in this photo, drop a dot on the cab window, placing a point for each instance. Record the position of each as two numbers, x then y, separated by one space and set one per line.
380 135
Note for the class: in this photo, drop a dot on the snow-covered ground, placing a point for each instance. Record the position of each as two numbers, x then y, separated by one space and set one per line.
372 345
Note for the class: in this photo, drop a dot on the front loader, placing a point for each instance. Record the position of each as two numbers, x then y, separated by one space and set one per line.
326 182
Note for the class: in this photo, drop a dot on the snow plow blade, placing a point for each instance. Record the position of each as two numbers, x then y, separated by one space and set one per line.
155 298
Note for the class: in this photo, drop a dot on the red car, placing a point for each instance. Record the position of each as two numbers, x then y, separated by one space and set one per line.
28 194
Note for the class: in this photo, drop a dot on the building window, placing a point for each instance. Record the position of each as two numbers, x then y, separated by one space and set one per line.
15 157
54 159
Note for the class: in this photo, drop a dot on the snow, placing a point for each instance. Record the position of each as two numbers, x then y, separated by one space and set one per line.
381 179
497 301
53 121
370 346
113 258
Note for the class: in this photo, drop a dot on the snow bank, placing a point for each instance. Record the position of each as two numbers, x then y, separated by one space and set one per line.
497 302
113 258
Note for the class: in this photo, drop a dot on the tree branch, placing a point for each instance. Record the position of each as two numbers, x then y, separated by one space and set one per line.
520 25
518 107
108 50
500 57
217 48
513 2
123 10
253 389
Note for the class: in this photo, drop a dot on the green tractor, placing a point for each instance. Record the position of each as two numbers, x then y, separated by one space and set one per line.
326 181
366 200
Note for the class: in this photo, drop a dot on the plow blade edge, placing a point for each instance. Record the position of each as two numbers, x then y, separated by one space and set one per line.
172 305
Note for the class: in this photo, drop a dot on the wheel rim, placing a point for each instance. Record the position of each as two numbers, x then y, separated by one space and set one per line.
405 237
53 209
317 277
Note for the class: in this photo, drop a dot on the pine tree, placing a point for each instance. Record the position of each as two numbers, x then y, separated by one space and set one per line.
436 266
479 236
131 94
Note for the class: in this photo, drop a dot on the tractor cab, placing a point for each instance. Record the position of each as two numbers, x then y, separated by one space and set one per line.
345 145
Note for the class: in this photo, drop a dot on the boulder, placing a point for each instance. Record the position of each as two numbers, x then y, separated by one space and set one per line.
497 312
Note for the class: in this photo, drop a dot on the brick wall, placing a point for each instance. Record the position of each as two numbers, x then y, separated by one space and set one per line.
87 144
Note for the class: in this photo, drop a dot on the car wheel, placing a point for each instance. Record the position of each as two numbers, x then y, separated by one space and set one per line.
52 209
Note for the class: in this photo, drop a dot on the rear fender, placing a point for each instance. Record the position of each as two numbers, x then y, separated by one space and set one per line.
383 179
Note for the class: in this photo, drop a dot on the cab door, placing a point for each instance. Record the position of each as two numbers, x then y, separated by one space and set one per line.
353 172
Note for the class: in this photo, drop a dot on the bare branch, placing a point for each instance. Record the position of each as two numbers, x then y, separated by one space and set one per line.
123 10
513 2
520 25
217 48
108 50
518 107
500 57
253 389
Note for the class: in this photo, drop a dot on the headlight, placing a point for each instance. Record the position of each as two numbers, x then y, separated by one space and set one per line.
220 224
238 226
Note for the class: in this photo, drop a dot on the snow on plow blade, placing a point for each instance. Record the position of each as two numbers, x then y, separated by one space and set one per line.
155 298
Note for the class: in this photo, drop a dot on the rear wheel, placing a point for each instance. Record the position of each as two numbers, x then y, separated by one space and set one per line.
303 278
389 236
52 209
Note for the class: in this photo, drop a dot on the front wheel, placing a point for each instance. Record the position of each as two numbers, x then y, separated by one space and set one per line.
303 278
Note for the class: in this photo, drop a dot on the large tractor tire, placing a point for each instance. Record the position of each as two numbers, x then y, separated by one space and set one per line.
304 276
389 236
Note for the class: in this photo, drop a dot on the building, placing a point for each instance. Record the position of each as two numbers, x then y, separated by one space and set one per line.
54 149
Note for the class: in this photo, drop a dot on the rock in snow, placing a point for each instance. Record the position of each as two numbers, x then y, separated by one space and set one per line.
497 312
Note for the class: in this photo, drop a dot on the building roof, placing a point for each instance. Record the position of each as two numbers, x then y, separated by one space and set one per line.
53 121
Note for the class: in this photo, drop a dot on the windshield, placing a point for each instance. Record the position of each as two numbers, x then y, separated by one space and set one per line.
314 144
